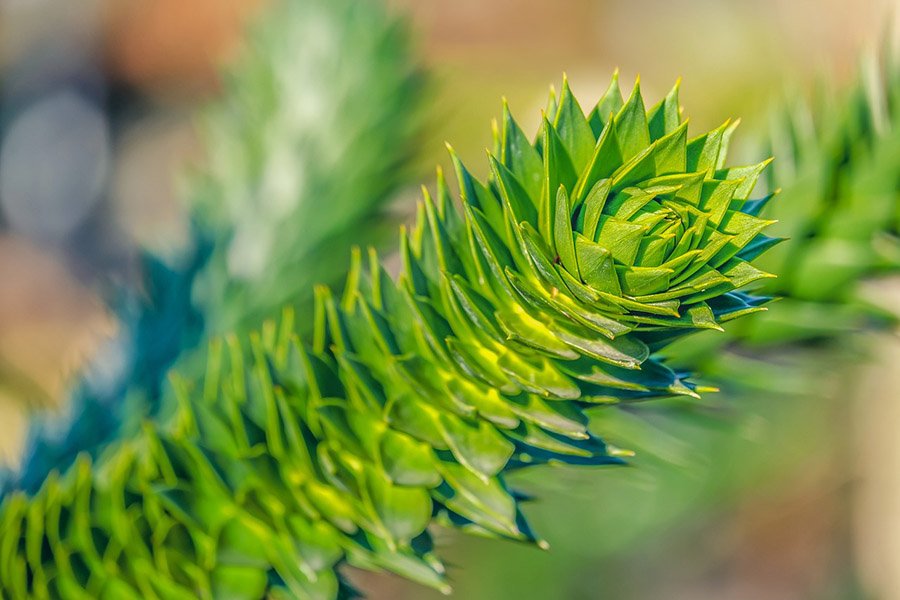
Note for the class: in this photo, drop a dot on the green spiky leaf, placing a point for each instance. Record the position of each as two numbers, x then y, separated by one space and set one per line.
415 396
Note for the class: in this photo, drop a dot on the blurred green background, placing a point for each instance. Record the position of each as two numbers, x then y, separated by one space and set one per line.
766 500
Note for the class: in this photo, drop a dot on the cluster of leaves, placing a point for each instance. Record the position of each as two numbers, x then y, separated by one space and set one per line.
307 142
549 294
837 163
786 375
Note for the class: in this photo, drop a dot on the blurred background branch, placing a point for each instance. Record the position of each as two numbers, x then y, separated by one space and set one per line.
309 141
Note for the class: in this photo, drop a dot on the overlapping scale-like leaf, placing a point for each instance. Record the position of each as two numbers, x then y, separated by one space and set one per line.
546 294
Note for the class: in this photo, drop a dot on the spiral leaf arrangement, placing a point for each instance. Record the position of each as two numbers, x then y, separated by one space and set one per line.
791 368
837 164
547 295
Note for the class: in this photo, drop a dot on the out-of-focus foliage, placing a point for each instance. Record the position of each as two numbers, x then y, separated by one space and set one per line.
837 170
609 237
312 137
125 381
305 147
840 208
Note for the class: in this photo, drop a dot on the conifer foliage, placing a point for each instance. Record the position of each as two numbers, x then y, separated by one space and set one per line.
546 294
